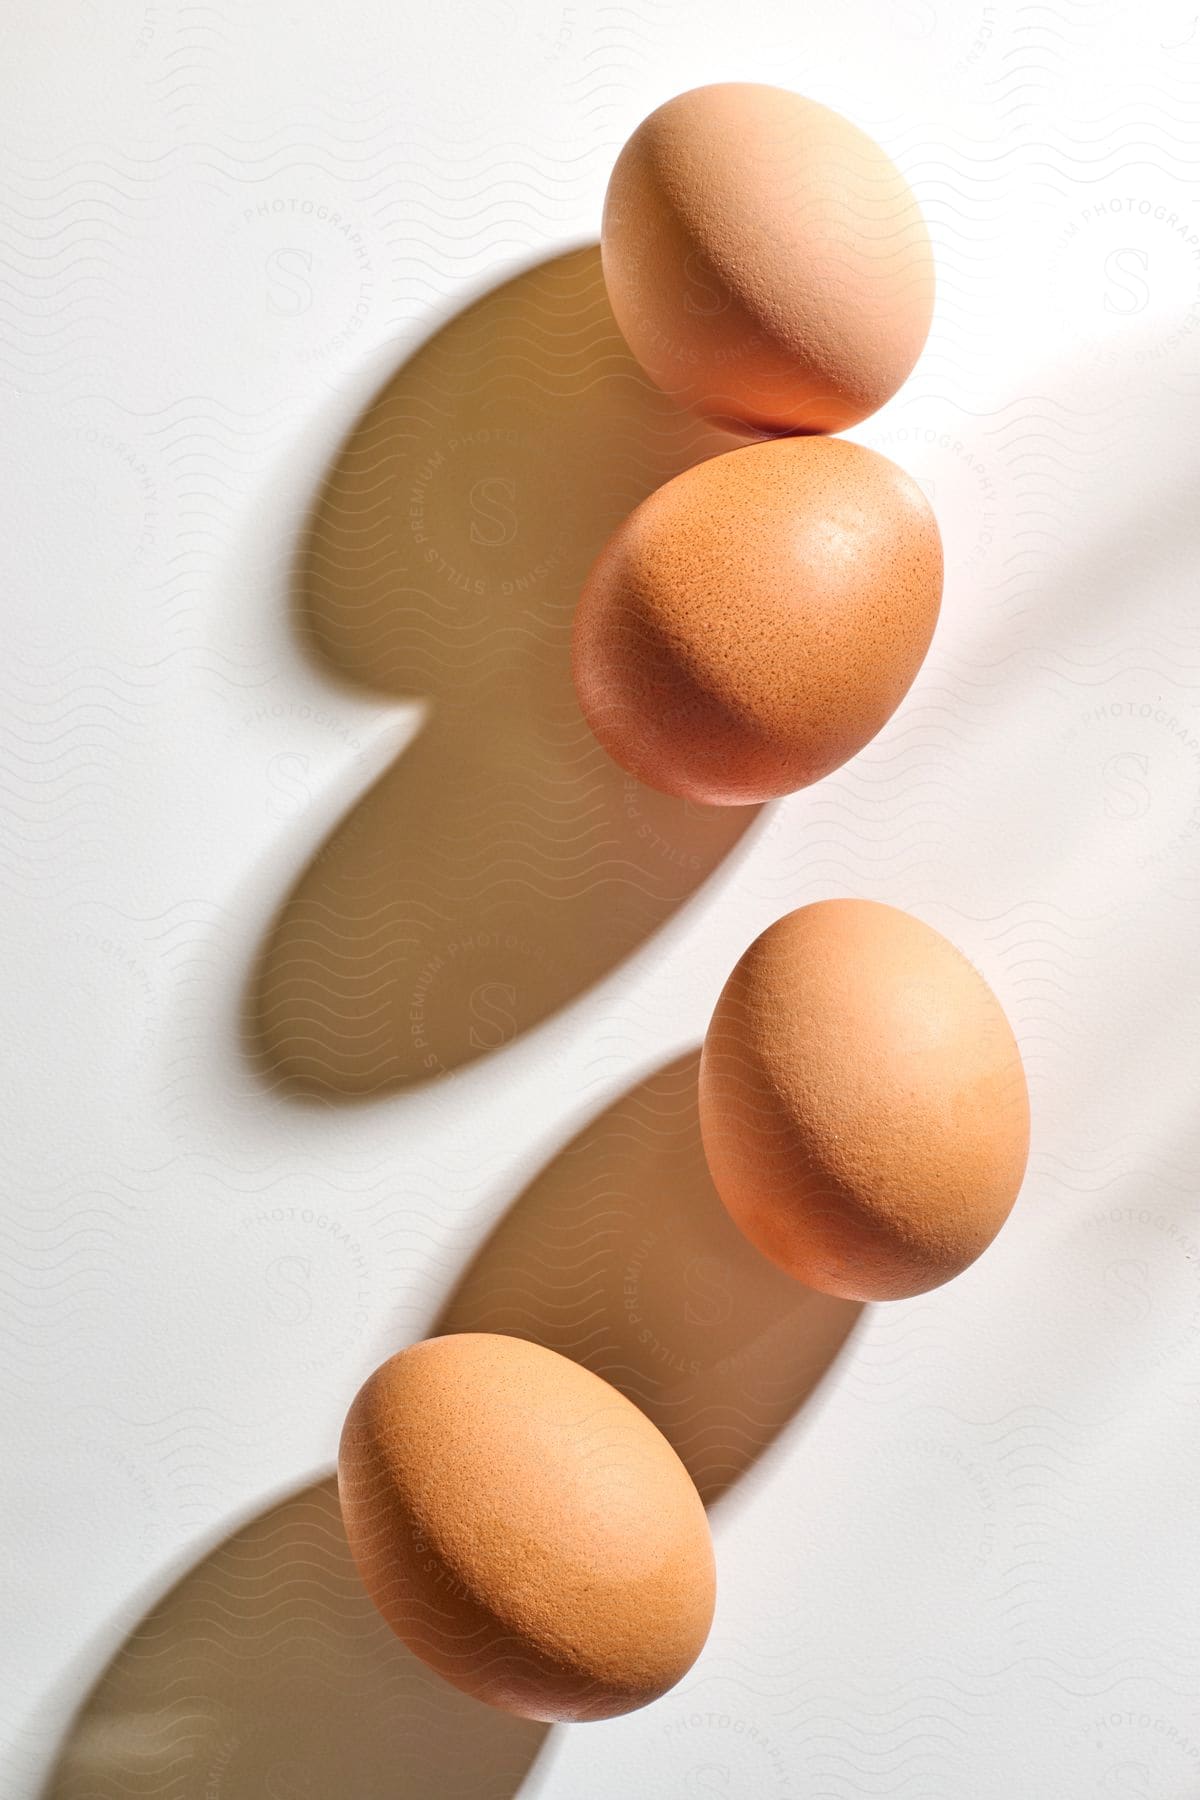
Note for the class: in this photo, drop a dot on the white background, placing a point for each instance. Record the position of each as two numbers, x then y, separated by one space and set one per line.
968 1565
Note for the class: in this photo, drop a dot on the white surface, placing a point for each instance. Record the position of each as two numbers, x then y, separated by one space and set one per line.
969 1567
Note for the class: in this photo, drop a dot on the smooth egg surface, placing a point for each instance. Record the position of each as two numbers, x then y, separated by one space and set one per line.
767 263
755 621
862 1100
524 1528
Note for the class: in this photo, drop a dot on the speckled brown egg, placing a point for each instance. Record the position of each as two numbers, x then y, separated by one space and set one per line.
766 261
862 1101
524 1528
755 621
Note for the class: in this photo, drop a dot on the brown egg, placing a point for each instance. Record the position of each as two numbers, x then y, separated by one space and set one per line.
756 620
862 1101
766 262
524 1528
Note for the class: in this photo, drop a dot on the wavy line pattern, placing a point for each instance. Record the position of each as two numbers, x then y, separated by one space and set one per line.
955 1536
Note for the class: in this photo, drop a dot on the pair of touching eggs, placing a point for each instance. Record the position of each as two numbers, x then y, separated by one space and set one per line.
518 1522
755 621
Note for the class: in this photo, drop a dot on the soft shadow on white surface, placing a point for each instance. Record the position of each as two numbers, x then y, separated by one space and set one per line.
266 1671
504 863
621 1256
267 1674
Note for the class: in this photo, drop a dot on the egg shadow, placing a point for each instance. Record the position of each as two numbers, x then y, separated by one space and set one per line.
621 1256
503 864
267 1674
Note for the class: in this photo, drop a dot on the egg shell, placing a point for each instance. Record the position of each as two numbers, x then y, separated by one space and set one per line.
767 263
862 1100
524 1528
755 621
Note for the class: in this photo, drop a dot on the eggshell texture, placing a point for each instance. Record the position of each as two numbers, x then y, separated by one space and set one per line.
862 1101
767 263
524 1528
756 620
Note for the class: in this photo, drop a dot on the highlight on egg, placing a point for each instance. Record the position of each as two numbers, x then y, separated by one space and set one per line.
767 263
863 1104
524 1528
756 620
